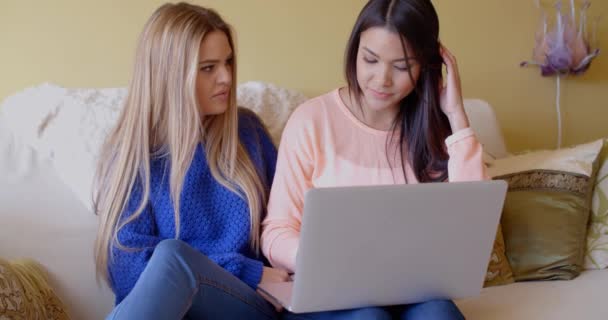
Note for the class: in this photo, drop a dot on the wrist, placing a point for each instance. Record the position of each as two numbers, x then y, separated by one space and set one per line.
458 121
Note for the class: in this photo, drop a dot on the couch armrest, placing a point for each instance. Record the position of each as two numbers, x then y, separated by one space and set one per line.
483 121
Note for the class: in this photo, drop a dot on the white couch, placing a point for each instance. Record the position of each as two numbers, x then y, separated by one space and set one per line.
41 218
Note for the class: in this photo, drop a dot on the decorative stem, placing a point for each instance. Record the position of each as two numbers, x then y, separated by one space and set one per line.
559 114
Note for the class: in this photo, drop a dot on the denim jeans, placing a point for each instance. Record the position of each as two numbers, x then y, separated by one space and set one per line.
432 310
180 282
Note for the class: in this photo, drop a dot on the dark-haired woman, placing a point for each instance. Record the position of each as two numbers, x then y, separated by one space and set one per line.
395 122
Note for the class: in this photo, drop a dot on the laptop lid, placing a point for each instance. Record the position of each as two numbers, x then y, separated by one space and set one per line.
397 244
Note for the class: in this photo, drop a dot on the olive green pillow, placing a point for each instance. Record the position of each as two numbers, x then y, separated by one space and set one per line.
546 211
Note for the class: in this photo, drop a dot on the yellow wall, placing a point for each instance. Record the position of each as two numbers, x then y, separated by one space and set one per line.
299 44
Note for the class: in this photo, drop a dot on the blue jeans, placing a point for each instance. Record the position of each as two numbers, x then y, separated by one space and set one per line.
432 310
179 282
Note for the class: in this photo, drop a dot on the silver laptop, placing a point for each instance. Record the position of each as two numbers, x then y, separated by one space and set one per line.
392 245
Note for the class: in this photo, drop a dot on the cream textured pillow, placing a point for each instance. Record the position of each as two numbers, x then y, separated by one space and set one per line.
596 256
271 103
25 293
545 216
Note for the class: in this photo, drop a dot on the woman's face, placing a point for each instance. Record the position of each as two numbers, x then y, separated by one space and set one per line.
382 72
214 79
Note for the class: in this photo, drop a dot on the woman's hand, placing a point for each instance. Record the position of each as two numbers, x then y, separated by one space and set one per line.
273 275
451 93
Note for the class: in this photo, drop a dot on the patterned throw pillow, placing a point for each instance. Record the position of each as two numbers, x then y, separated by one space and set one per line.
596 256
499 270
547 209
25 293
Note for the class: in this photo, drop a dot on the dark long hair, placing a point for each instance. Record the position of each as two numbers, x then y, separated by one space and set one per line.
421 124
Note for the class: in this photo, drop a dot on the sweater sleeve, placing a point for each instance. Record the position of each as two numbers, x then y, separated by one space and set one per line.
247 269
139 237
293 177
466 157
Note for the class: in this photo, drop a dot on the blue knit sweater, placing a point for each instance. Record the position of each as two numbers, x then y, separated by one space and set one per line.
214 220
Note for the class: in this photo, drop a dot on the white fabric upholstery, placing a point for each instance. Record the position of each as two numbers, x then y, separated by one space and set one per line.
42 218
483 121
68 126
581 298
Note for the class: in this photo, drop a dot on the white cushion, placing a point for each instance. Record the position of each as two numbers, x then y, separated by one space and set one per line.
27 113
74 138
581 298
42 219
485 124
16 157
576 160
68 126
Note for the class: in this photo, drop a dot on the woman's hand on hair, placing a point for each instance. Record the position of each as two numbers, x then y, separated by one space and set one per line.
451 93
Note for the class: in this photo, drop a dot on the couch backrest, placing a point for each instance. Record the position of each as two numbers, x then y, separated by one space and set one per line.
66 124
483 121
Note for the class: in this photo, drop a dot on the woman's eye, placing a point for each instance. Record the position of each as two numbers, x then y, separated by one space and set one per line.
369 60
207 68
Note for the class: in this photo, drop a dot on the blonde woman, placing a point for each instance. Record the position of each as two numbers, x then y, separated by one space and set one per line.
183 179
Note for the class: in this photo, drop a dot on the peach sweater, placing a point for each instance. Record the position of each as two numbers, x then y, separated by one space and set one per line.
325 145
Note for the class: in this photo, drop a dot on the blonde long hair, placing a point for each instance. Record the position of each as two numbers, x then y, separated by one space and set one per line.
161 118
